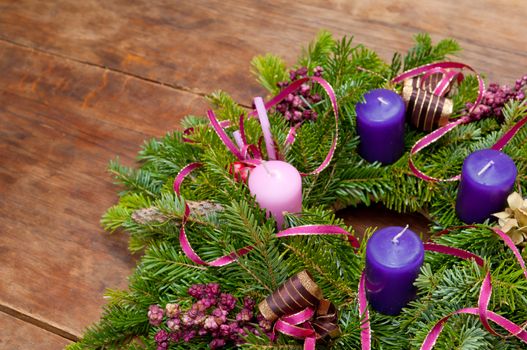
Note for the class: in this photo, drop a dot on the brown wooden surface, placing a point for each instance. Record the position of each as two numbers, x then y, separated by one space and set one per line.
16 334
84 81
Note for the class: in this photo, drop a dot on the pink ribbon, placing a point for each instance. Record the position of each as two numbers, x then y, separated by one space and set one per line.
261 113
483 301
229 258
364 314
445 68
297 325
484 296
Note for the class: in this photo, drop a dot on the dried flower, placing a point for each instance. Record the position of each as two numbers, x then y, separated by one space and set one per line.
513 220
297 106
496 96
155 315
172 310
208 317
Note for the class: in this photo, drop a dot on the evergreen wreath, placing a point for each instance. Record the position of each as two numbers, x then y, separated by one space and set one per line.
224 217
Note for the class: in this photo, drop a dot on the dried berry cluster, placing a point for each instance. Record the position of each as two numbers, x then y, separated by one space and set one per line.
212 315
297 106
495 97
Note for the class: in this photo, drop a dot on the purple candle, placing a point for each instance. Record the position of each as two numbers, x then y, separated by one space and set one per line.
394 256
380 125
487 178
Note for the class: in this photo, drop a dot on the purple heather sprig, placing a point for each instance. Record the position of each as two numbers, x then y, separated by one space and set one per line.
155 315
495 98
207 317
297 106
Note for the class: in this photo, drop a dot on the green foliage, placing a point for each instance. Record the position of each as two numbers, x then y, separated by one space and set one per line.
445 284
425 52
270 70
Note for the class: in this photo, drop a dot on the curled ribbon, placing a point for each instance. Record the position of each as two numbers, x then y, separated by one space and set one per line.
300 311
229 258
441 88
484 296
483 300
448 75
242 150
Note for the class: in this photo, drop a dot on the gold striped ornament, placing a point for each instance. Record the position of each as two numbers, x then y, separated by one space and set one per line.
424 110
296 294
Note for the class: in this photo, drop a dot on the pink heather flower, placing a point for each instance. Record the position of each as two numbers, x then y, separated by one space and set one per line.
187 320
495 98
220 315
265 325
304 89
217 343
206 303
173 324
161 336
244 315
196 290
175 337
249 303
188 335
155 315
225 330
172 310
227 301
210 323
212 289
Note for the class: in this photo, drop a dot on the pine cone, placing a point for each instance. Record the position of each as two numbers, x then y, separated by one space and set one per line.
513 220
152 215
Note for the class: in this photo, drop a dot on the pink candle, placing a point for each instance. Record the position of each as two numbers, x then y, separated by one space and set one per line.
277 187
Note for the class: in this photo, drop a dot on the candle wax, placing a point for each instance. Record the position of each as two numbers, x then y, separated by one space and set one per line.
391 268
277 186
487 178
380 125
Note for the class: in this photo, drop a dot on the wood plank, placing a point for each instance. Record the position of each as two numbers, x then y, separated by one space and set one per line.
16 334
206 45
60 123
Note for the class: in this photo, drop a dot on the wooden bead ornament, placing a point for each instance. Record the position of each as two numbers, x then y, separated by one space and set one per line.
424 110
297 293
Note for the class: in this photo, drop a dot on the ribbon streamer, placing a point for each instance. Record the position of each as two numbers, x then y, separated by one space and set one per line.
427 69
484 296
230 258
260 112
300 311
445 68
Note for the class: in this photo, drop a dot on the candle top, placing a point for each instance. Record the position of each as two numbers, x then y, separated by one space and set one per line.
275 180
407 249
381 105
490 167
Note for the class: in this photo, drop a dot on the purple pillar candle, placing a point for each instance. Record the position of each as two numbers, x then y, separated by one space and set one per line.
487 178
380 125
394 256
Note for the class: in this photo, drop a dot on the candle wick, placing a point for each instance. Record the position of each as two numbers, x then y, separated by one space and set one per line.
266 168
486 167
395 239
382 100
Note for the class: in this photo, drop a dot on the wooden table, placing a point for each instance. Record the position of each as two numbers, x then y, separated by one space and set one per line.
84 81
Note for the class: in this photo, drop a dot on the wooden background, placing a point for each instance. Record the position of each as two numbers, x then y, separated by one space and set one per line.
84 81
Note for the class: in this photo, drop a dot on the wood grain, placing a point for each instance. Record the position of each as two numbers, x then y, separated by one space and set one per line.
202 46
84 81
61 122
19 335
